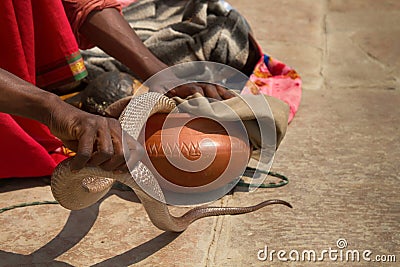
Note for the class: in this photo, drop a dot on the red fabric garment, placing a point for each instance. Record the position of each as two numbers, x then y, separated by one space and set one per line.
78 10
274 78
38 46
25 148
125 3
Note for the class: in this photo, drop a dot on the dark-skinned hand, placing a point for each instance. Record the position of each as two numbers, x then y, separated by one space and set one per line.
205 89
96 140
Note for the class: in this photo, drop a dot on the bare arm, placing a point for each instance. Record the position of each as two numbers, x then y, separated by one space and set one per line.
97 140
18 97
111 32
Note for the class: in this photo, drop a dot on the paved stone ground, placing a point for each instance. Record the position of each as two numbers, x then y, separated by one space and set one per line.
341 154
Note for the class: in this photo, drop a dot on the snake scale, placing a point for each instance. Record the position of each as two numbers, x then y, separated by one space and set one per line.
82 189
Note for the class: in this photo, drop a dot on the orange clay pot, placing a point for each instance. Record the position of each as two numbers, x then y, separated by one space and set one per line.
200 141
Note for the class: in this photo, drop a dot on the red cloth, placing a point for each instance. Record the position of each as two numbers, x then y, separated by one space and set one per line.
37 45
25 148
274 78
78 10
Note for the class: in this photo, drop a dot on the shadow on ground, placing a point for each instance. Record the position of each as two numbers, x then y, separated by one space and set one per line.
78 225
86 219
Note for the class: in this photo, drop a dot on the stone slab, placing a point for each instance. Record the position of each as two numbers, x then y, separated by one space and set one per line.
114 232
346 6
363 44
350 66
285 21
341 155
290 31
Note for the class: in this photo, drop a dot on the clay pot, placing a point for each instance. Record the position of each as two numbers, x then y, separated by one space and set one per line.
193 152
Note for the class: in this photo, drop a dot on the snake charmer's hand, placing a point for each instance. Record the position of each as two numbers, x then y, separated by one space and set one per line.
206 89
96 140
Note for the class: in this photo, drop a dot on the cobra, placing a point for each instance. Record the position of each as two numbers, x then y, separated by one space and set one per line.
76 191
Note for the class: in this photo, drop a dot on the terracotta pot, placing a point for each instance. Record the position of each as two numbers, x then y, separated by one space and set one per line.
195 152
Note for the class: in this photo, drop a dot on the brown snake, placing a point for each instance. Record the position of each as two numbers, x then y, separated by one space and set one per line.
79 190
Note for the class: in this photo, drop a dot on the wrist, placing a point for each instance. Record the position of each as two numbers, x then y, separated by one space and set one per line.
149 65
44 105
18 97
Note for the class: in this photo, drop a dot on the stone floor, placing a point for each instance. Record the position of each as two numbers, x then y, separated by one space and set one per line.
341 154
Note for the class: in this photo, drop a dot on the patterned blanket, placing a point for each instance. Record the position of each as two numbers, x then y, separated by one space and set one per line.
182 31
178 31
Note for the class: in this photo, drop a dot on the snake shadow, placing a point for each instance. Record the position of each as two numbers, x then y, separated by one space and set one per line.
78 225
140 252
14 184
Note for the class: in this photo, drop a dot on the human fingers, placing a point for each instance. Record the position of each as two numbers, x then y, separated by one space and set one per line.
210 90
85 149
104 145
171 93
185 90
133 152
117 158
224 93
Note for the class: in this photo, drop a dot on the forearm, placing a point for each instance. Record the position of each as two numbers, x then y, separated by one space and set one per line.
18 97
108 30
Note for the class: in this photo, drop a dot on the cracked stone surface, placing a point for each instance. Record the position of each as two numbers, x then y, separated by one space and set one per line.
341 154
362 44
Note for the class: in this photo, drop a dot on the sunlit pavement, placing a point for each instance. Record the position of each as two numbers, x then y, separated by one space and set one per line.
341 154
